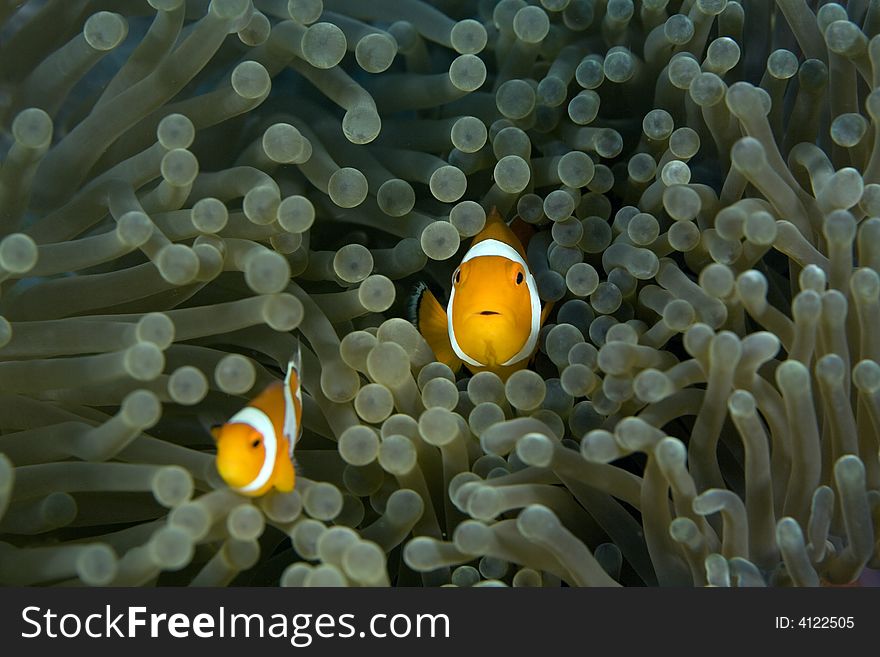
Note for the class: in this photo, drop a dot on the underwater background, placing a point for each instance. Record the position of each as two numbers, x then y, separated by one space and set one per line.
189 189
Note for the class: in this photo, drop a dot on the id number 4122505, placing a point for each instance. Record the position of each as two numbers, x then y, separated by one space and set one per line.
815 622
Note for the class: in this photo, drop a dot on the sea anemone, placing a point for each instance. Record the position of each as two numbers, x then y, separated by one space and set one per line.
190 189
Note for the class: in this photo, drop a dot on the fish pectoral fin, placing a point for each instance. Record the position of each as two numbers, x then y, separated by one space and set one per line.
286 477
545 312
432 324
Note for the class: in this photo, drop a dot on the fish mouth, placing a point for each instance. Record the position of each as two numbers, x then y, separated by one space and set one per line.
488 312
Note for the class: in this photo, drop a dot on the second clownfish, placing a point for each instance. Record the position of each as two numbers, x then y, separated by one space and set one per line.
255 447
494 314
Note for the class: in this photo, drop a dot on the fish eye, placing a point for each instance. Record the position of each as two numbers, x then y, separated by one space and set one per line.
519 278
256 443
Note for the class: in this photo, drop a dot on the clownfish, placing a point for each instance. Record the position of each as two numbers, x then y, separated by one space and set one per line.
494 313
255 447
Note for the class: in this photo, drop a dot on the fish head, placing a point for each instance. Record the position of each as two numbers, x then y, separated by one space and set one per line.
492 309
240 453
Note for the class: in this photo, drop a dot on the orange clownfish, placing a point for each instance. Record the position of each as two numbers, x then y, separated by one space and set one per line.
255 447
494 313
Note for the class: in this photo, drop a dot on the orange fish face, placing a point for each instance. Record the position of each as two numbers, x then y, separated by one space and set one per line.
240 453
492 309
494 313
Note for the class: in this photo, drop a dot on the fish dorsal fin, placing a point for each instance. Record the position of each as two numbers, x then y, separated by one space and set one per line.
496 229
260 422
524 232
497 248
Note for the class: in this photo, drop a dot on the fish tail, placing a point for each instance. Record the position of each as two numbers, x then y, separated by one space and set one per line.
293 371
293 397
429 317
